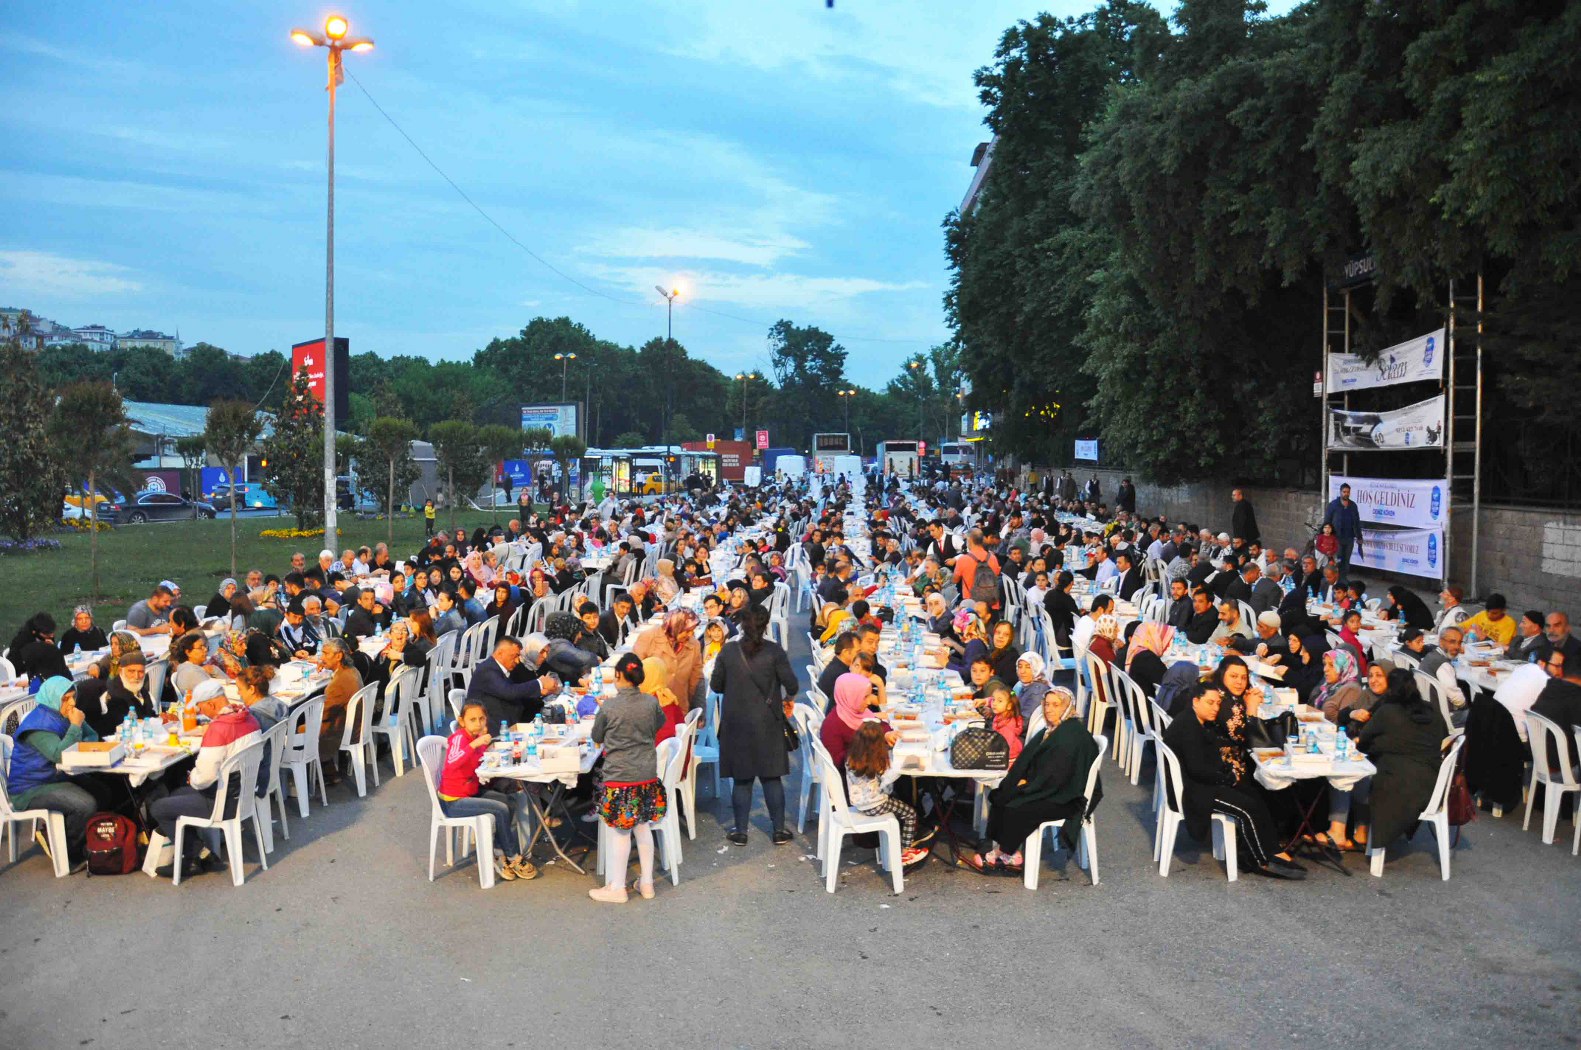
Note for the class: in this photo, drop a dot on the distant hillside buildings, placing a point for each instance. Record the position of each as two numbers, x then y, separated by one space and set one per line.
45 332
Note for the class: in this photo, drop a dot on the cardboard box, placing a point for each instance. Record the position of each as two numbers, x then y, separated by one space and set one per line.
93 754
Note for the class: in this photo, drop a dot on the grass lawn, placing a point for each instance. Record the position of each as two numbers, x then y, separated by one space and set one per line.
195 554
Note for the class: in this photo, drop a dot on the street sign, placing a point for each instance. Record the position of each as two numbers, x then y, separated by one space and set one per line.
763 440
710 442
922 448
1317 384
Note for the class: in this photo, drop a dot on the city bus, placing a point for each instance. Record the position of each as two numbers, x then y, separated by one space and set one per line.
956 455
898 458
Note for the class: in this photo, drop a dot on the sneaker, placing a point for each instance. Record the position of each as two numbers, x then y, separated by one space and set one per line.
1013 861
608 894
781 837
644 889
524 868
738 837
503 869
913 856
590 817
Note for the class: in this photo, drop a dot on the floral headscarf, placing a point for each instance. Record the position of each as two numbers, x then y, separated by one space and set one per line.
1107 627
1151 636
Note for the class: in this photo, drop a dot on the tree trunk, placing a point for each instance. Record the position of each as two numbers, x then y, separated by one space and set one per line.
233 521
93 536
389 507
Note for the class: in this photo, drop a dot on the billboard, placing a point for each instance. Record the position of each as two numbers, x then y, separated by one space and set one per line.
1087 449
734 456
1412 361
1417 504
1414 552
310 355
561 417
1415 426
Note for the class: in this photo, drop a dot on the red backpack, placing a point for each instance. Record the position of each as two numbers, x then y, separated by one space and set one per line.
112 845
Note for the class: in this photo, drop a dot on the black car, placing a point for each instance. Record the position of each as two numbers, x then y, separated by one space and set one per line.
164 506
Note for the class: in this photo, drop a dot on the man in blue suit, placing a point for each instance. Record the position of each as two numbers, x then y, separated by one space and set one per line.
506 688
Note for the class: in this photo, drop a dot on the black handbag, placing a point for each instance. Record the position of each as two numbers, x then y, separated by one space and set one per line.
1271 732
792 737
978 747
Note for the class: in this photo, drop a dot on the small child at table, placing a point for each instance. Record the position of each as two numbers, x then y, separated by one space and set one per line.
869 779
461 794
1004 712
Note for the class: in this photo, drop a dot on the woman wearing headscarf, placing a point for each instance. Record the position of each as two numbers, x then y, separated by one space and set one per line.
675 643
481 574
1031 685
232 729
1239 700
1174 689
1144 657
33 780
33 651
665 585
854 701
1404 739
969 629
1405 607
84 633
835 620
1339 690
219 604
1047 781
1303 667
502 604
1352 715
1105 635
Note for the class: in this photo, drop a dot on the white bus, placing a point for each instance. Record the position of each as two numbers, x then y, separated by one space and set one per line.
898 458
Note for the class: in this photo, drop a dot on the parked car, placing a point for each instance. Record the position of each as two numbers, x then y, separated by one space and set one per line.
164 506
249 496
76 506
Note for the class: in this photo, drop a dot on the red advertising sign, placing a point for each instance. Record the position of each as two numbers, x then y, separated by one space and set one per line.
922 448
311 357
763 440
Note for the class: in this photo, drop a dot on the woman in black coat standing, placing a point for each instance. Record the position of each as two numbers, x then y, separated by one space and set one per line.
1404 738
758 690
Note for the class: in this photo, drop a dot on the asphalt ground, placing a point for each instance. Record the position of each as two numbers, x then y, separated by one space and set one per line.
345 943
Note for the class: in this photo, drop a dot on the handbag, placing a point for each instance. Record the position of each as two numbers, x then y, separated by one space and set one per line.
978 747
1462 808
792 737
1271 732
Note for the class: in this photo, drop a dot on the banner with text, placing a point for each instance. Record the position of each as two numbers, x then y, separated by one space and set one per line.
1408 362
559 418
1415 552
1395 501
1415 426
1087 450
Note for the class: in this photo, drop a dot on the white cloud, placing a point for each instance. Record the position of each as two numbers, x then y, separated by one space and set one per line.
675 242
45 275
765 291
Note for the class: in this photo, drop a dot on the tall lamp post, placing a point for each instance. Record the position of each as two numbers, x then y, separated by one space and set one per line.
916 369
846 396
669 312
335 39
565 362
745 377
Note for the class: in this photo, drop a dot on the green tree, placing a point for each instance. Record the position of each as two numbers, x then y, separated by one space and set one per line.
389 449
499 442
293 454
808 366
630 439
459 455
230 431
194 454
31 478
93 439
566 448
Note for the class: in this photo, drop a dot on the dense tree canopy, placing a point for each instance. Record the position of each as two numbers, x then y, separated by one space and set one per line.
1147 258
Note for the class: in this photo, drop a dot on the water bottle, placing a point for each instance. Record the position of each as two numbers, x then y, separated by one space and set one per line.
598 680
537 727
76 650
1342 744
1291 739
505 731
126 730
532 750
1312 744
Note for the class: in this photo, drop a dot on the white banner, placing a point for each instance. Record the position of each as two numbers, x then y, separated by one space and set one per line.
1415 552
1087 450
1409 362
1396 501
1415 426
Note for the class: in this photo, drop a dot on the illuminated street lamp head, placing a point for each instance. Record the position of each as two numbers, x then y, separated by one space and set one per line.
565 357
307 38
359 45
336 27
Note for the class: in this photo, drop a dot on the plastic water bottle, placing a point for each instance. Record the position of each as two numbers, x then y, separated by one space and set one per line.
76 650
537 728
1342 744
598 679
126 730
505 731
1312 744
532 750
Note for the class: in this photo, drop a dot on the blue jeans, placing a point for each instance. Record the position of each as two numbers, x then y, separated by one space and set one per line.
503 808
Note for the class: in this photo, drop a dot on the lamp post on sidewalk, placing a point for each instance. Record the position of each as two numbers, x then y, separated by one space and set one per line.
334 37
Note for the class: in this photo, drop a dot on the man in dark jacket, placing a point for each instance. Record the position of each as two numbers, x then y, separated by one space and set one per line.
506 688
1130 576
1204 618
1243 520
1345 516
1180 610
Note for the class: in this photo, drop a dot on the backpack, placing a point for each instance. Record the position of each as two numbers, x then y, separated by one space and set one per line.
985 583
112 844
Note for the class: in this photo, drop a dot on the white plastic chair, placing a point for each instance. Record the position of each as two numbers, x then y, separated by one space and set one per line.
705 751
456 699
396 723
669 829
54 823
301 755
356 739
681 797
7 670
11 714
1173 814
808 724
245 763
277 747
1431 690
1542 733
1436 813
837 820
1086 846
431 754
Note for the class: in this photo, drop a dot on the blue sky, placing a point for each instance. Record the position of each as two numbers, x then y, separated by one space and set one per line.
164 168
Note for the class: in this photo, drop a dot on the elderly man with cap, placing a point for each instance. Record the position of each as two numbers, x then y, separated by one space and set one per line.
105 703
1268 645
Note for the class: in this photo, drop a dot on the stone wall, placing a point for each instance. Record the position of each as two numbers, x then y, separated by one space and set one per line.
1532 556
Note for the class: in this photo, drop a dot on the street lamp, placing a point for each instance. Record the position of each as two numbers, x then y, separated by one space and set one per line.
565 362
336 40
846 396
916 368
745 377
669 317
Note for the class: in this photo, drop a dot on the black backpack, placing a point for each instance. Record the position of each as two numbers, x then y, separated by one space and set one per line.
985 582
